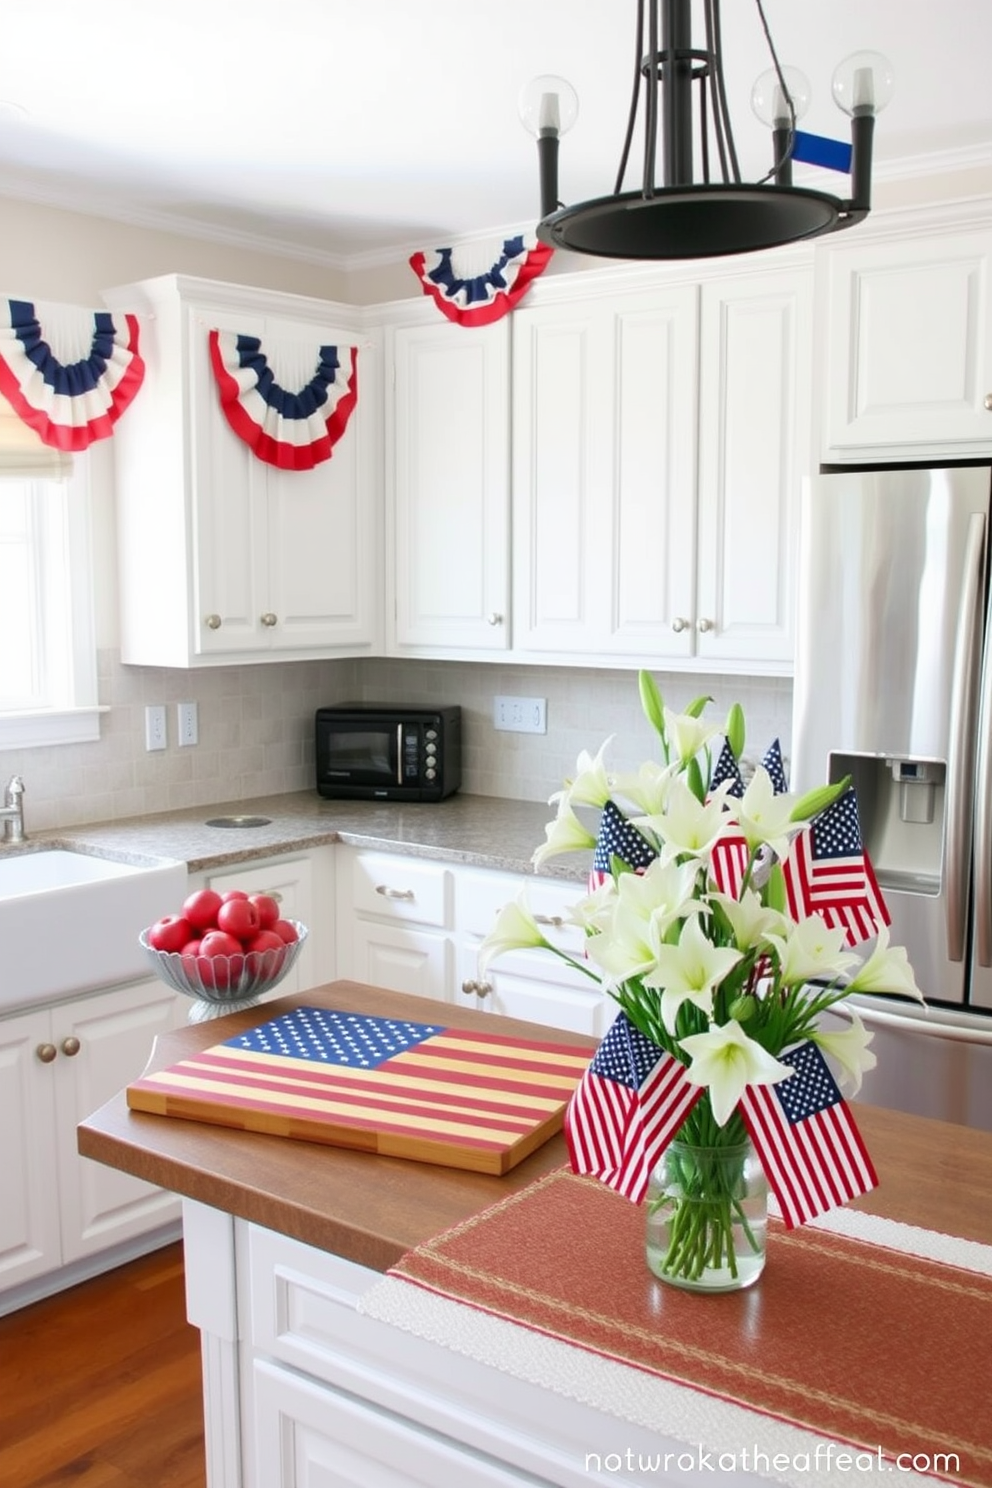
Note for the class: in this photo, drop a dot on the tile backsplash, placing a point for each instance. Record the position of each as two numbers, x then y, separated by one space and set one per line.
256 730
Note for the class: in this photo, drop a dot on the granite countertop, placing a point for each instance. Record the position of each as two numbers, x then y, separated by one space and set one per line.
484 831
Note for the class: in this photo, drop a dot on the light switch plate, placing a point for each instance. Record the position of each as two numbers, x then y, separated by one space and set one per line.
155 735
187 726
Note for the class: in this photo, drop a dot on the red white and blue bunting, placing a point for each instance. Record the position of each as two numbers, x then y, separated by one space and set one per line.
481 298
68 406
294 431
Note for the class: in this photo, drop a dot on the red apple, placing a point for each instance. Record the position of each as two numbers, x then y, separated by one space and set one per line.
265 940
286 931
201 909
268 910
170 933
230 894
238 917
219 943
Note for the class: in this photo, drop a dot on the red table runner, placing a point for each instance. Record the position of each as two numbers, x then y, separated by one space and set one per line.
854 1341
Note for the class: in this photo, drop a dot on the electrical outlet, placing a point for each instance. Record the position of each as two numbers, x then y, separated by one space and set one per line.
186 724
155 737
520 715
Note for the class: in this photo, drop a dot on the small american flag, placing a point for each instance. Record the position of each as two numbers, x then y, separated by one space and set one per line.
727 768
803 1131
828 872
618 839
728 862
629 1105
772 762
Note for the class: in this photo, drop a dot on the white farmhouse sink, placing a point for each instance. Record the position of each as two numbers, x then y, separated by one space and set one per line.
69 921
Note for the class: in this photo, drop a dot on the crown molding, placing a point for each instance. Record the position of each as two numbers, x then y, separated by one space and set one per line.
69 198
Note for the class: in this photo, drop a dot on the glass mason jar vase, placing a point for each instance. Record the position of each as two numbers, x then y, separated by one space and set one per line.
707 1214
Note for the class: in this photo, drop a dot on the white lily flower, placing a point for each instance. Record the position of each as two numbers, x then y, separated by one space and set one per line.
646 905
687 825
592 785
647 789
515 929
811 950
688 735
763 816
595 911
849 1046
690 972
886 970
565 834
725 1061
751 921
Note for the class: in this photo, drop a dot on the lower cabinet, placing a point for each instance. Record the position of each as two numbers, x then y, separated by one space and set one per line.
415 925
57 1065
302 1390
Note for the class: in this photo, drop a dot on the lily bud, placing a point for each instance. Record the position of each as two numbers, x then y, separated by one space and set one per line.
652 703
695 708
774 895
818 799
735 730
741 1008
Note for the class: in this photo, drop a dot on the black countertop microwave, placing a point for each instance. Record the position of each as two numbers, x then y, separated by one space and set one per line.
377 752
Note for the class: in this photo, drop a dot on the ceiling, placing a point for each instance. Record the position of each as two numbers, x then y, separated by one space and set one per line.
353 131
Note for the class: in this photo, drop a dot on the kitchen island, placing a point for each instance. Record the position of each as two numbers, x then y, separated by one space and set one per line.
285 1239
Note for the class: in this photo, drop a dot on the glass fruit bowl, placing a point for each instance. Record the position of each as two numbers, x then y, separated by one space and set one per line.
223 984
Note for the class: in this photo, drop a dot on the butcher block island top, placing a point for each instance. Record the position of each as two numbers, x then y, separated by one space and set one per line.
372 1209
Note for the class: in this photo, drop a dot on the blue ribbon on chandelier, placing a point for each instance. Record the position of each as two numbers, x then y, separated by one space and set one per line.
294 431
481 298
68 406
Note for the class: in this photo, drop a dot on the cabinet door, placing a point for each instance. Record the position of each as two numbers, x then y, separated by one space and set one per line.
450 486
402 958
604 475
283 560
908 332
29 1185
112 1035
753 455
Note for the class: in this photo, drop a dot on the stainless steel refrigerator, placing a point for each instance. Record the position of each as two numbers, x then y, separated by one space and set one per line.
894 687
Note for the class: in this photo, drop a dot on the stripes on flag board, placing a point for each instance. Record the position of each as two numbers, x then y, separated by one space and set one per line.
452 1096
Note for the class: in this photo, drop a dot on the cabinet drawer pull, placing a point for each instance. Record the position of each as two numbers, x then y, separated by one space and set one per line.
46 1053
988 402
556 920
71 1046
388 893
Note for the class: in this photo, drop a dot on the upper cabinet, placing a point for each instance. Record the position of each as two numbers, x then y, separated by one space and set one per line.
660 438
224 558
448 441
906 326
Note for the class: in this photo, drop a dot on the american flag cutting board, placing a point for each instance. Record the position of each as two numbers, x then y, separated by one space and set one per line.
452 1096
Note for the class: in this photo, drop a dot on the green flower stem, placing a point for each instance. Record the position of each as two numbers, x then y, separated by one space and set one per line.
700 1203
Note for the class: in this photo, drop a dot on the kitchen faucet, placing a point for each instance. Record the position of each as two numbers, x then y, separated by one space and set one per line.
12 811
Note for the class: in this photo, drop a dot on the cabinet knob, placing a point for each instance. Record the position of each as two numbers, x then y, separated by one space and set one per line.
470 987
388 893
703 625
556 920
268 619
46 1053
483 989
988 402
495 618
212 622
71 1046
679 624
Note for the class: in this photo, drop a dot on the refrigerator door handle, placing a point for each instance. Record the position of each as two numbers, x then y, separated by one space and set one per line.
960 751
983 817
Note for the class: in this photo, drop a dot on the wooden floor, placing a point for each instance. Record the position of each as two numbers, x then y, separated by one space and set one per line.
100 1386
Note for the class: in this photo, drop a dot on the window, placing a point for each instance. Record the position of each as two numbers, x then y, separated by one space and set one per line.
48 683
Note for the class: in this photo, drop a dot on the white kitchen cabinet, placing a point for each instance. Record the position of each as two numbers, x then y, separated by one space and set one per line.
57 1065
906 326
223 557
395 922
660 438
448 458
532 984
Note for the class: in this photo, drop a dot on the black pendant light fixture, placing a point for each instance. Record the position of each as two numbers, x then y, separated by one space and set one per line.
686 122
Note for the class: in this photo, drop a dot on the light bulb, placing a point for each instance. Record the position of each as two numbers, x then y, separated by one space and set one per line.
768 101
548 105
863 83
